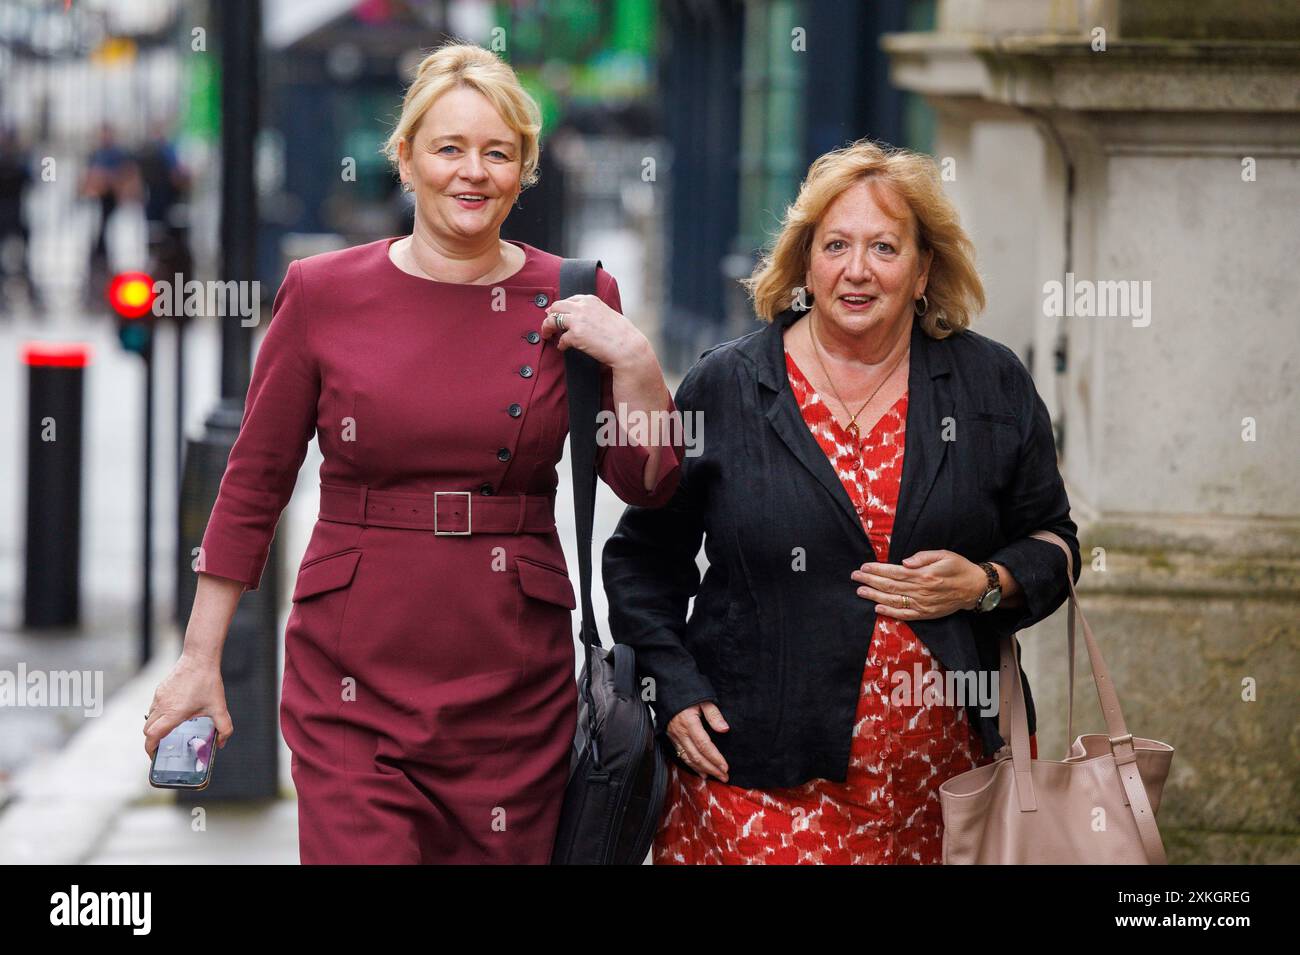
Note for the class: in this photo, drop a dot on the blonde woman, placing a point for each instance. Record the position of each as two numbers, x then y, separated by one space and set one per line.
429 698
865 496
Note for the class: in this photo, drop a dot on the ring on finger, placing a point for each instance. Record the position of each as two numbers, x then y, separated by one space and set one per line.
559 320
906 602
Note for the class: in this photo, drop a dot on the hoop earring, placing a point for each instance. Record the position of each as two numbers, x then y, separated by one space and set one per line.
925 305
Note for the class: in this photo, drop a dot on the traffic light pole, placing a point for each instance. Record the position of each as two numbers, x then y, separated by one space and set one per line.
130 295
146 585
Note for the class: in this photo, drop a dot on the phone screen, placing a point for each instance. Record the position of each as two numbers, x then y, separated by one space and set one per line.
184 758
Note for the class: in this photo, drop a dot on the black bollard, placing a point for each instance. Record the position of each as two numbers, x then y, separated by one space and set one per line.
55 393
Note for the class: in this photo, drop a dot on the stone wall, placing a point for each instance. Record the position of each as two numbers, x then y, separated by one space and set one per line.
1157 145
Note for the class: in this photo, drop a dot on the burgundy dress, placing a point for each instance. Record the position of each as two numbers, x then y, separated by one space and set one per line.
887 810
428 698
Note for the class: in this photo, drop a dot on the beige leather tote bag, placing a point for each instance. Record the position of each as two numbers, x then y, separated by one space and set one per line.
1098 805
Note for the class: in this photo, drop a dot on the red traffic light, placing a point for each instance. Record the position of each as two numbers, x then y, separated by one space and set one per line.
131 294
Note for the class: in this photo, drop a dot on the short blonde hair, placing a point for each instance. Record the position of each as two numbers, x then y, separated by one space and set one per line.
954 291
456 65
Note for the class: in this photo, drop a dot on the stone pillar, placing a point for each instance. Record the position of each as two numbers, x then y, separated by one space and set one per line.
1165 184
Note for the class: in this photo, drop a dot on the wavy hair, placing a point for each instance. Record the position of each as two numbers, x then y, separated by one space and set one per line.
953 290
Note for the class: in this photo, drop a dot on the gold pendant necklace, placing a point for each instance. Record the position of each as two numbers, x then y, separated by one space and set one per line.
852 428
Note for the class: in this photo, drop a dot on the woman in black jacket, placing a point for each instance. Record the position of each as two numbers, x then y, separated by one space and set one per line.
865 495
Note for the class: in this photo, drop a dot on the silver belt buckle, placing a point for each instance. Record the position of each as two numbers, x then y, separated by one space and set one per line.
469 515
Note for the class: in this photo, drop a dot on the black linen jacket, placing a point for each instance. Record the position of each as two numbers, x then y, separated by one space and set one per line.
778 636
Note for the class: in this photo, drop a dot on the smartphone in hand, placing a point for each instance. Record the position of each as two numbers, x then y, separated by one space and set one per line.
183 760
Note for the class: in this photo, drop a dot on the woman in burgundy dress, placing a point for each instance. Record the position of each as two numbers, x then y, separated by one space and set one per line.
429 698
866 499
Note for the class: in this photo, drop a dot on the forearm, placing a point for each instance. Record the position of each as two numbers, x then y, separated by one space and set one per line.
639 391
1038 569
650 574
975 582
215 602
1012 595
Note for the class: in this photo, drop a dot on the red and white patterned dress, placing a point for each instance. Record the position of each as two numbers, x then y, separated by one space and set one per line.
887 811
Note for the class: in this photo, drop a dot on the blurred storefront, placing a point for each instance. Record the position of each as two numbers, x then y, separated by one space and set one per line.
69 71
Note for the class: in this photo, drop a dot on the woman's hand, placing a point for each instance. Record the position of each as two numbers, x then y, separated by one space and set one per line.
694 747
193 688
638 387
593 327
927 585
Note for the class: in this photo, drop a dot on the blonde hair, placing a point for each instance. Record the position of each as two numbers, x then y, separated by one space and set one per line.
954 292
457 65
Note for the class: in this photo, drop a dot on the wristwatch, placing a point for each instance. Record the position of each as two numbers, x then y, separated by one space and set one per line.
993 595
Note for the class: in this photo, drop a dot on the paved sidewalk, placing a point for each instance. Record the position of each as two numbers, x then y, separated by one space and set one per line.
62 802
91 801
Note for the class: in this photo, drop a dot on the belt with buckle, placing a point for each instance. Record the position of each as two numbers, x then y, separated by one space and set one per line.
446 513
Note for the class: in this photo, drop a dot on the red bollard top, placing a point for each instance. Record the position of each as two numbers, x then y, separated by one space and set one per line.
60 354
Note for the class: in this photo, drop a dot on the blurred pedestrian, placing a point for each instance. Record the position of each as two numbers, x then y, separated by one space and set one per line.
16 177
111 177
166 181
166 184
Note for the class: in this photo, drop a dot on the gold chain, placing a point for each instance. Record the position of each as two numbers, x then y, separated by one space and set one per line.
853 428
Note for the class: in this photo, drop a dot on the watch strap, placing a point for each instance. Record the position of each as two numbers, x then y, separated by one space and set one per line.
994 583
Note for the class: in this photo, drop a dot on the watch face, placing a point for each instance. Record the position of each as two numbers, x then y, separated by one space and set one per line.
990 600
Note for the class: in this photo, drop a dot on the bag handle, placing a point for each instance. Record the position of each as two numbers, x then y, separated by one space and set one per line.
582 383
1121 741
1004 711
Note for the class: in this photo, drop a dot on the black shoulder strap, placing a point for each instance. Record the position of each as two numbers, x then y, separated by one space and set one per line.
582 381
